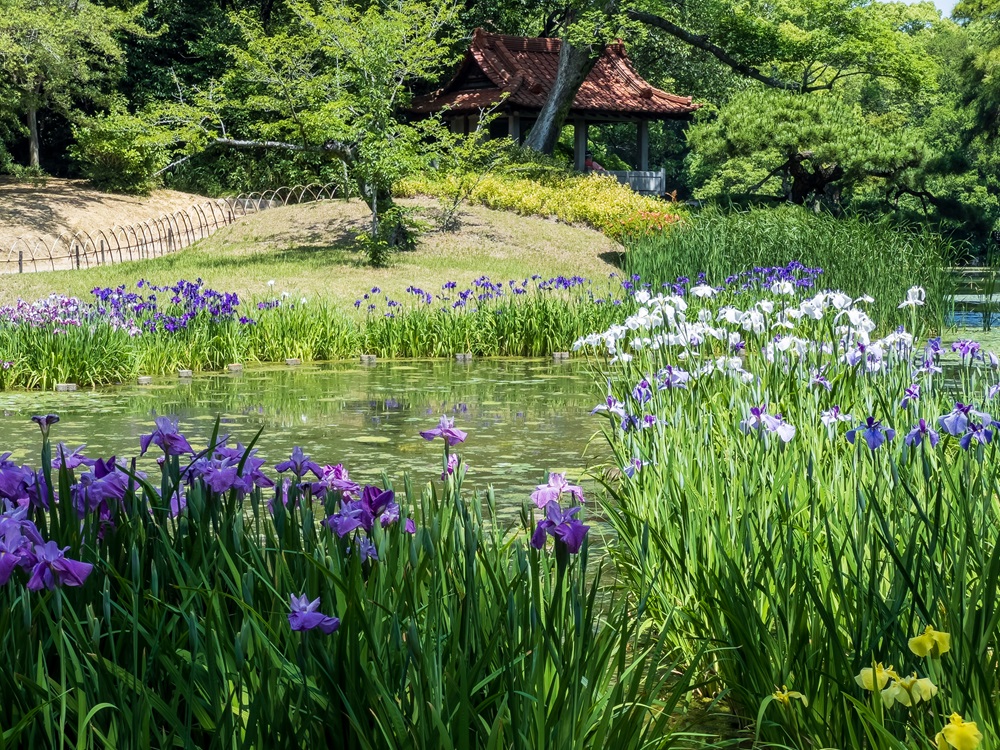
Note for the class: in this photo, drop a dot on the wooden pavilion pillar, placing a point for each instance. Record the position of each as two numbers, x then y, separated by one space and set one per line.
643 145
579 143
514 128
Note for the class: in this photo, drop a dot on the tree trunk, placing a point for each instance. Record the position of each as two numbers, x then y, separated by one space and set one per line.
575 63
33 159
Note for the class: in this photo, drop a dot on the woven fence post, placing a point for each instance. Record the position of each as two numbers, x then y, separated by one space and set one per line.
20 261
77 248
103 261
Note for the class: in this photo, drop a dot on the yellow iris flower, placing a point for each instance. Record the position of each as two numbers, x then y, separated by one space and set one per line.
879 675
958 734
785 696
909 691
931 642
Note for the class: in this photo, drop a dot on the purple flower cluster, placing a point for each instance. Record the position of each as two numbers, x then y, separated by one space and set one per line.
358 512
760 277
165 308
56 312
45 563
557 522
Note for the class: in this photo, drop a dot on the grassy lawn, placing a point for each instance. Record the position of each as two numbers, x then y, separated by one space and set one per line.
309 251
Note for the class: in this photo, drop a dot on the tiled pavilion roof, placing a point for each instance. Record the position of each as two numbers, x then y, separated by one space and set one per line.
525 68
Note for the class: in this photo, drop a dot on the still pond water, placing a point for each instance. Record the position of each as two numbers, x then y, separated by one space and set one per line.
524 417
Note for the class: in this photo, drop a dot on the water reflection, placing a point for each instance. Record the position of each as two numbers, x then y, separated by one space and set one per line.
523 417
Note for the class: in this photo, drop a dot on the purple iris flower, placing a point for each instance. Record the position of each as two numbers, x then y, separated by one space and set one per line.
818 378
833 415
221 475
446 429
956 422
100 488
410 526
966 348
337 479
52 568
928 368
633 467
759 420
670 377
553 490
920 431
992 391
612 406
167 437
978 432
361 514
366 549
452 466
304 615
562 525
643 392
299 464
912 393
13 479
73 459
44 422
873 432
933 347
353 514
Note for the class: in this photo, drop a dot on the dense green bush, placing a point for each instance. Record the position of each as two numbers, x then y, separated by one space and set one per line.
120 153
593 200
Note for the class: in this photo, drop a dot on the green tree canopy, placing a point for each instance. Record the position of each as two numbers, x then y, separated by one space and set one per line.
796 147
57 54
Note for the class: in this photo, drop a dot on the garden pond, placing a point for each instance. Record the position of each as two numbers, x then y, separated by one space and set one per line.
524 417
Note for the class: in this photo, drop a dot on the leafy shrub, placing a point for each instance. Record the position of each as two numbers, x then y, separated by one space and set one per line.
597 201
119 152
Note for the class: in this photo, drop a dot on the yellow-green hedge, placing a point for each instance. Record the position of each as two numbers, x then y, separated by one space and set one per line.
594 200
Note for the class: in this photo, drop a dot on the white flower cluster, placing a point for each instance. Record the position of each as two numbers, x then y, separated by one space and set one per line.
784 330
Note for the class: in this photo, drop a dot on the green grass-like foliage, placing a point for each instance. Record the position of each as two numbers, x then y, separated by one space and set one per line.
96 352
800 563
459 636
857 255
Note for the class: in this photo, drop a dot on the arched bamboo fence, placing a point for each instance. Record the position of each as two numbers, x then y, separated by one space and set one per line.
150 238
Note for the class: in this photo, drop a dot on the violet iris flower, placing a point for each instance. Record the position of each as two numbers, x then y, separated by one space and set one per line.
361 514
759 420
304 615
452 466
912 393
643 392
920 431
562 525
611 406
44 422
72 458
633 467
873 432
13 479
101 487
833 415
446 429
956 422
366 549
299 464
818 378
337 479
551 492
992 391
52 568
978 432
670 377
966 348
167 437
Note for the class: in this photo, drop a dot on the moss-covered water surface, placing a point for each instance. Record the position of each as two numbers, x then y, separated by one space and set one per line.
524 417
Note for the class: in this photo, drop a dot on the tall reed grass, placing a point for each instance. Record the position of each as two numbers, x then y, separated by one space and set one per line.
789 554
856 255
453 632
